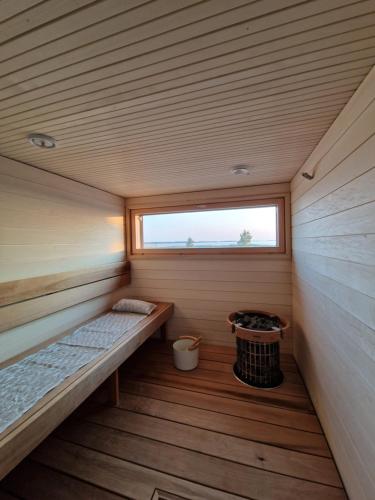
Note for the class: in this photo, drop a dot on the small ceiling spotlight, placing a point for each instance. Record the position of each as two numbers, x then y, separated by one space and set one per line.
42 141
240 170
308 176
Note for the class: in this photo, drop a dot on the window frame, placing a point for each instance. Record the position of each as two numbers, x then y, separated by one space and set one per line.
199 207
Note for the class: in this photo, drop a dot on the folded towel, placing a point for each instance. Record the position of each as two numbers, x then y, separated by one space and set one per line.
134 306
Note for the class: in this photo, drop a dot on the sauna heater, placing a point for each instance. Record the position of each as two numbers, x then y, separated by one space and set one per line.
258 351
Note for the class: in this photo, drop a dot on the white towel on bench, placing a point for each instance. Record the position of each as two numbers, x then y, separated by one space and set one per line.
21 386
104 331
24 383
66 358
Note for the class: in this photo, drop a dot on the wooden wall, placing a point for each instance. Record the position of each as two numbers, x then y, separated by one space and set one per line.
205 289
334 287
61 243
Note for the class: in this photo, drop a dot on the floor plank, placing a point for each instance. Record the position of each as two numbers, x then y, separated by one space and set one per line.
213 472
180 436
39 482
223 354
208 365
226 377
263 413
257 431
196 434
121 476
240 392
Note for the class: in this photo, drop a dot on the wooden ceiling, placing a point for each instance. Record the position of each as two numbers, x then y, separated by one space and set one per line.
160 96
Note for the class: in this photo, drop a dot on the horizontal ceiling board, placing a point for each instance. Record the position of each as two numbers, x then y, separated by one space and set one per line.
279 86
261 132
161 96
179 74
218 55
251 137
10 8
60 27
39 15
15 114
253 123
87 56
224 100
273 71
247 139
329 104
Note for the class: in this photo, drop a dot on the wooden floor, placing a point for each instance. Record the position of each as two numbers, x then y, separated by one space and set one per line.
190 435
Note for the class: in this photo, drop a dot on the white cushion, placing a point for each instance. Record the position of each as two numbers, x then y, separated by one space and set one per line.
134 306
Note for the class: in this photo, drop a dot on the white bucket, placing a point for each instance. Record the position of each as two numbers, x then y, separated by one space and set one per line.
183 358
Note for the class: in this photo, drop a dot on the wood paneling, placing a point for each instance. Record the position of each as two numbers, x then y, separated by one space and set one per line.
334 293
41 331
50 224
23 312
205 290
62 243
29 288
172 439
182 90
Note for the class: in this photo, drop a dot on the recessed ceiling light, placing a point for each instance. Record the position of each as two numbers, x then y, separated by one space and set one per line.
240 170
42 141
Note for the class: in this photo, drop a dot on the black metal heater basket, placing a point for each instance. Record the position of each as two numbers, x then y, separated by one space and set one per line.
258 354
258 364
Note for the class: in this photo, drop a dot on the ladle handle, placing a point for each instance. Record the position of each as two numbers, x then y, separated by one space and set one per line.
187 337
195 344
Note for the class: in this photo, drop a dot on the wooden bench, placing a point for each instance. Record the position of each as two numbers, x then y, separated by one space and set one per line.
19 439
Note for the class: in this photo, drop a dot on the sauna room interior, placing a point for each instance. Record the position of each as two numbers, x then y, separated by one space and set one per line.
187 249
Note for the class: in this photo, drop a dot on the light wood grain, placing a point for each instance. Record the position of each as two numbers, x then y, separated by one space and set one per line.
186 103
333 228
19 290
62 254
51 225
23 312
26 337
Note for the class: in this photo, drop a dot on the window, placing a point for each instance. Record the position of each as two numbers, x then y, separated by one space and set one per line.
233 228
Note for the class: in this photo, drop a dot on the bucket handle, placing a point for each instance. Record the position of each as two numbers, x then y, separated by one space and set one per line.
195 344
